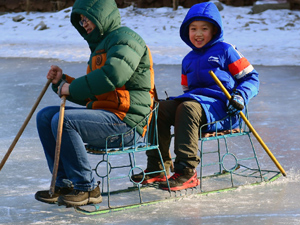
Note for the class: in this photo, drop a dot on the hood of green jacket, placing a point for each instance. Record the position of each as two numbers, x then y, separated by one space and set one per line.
103 13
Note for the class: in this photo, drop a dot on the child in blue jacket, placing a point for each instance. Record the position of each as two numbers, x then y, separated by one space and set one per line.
202 101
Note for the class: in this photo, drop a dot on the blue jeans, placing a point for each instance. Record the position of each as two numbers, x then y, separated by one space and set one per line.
80 126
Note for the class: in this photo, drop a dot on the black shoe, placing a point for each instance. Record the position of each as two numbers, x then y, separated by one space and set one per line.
186 178
149 178
44 196
78 198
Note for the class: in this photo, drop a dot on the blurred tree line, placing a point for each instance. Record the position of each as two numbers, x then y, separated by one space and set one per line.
56 5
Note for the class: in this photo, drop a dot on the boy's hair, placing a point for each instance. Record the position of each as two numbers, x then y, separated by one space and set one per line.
206 20
215 28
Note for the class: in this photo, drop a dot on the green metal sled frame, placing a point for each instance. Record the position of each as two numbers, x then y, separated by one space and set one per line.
269 176
243 175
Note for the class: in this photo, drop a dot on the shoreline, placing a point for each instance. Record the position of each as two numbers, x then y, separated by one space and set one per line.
155 64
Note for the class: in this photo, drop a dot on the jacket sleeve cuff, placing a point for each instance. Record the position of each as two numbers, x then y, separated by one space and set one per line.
55 86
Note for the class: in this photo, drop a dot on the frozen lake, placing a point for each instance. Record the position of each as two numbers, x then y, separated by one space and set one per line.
273 113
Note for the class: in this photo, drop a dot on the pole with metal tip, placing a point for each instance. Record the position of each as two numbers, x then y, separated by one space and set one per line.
265 147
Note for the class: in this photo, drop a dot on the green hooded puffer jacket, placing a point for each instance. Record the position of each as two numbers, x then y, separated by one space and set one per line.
120 76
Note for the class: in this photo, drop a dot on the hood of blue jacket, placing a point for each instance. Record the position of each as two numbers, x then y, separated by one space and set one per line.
206 11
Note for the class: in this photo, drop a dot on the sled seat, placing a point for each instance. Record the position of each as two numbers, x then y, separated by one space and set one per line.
221 133
147 143
229 157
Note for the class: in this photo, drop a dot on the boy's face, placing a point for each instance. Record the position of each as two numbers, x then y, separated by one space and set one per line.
88 25
201 32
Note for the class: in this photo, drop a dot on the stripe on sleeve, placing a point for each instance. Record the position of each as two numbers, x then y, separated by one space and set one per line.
184 80
238 67
244 72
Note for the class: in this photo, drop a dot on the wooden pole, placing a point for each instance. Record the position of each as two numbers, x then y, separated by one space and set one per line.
58 144
24 125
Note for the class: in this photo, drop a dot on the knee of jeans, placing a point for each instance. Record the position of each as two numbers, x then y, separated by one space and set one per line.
42 118
54 122
41 114
46 114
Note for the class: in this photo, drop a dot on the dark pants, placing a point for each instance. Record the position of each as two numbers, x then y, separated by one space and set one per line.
186 117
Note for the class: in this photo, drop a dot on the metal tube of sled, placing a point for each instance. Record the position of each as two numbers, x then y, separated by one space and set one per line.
265 147
24 124
58 144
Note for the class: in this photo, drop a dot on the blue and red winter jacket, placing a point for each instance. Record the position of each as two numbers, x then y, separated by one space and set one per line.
230 66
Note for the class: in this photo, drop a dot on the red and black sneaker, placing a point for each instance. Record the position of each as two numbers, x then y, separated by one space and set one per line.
149 178
187 178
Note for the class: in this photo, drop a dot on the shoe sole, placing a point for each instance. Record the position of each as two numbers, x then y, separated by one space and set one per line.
87 201
178 188
46 200
154 179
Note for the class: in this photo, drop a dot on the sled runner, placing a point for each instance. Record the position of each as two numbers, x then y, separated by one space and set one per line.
125 198
231 164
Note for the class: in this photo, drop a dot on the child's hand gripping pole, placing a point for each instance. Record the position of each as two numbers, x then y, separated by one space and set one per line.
249 124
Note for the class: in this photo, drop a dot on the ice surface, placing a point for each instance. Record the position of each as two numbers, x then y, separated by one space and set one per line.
268 38
274 114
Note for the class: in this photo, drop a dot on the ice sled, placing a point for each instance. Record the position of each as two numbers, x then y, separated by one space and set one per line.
228 160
